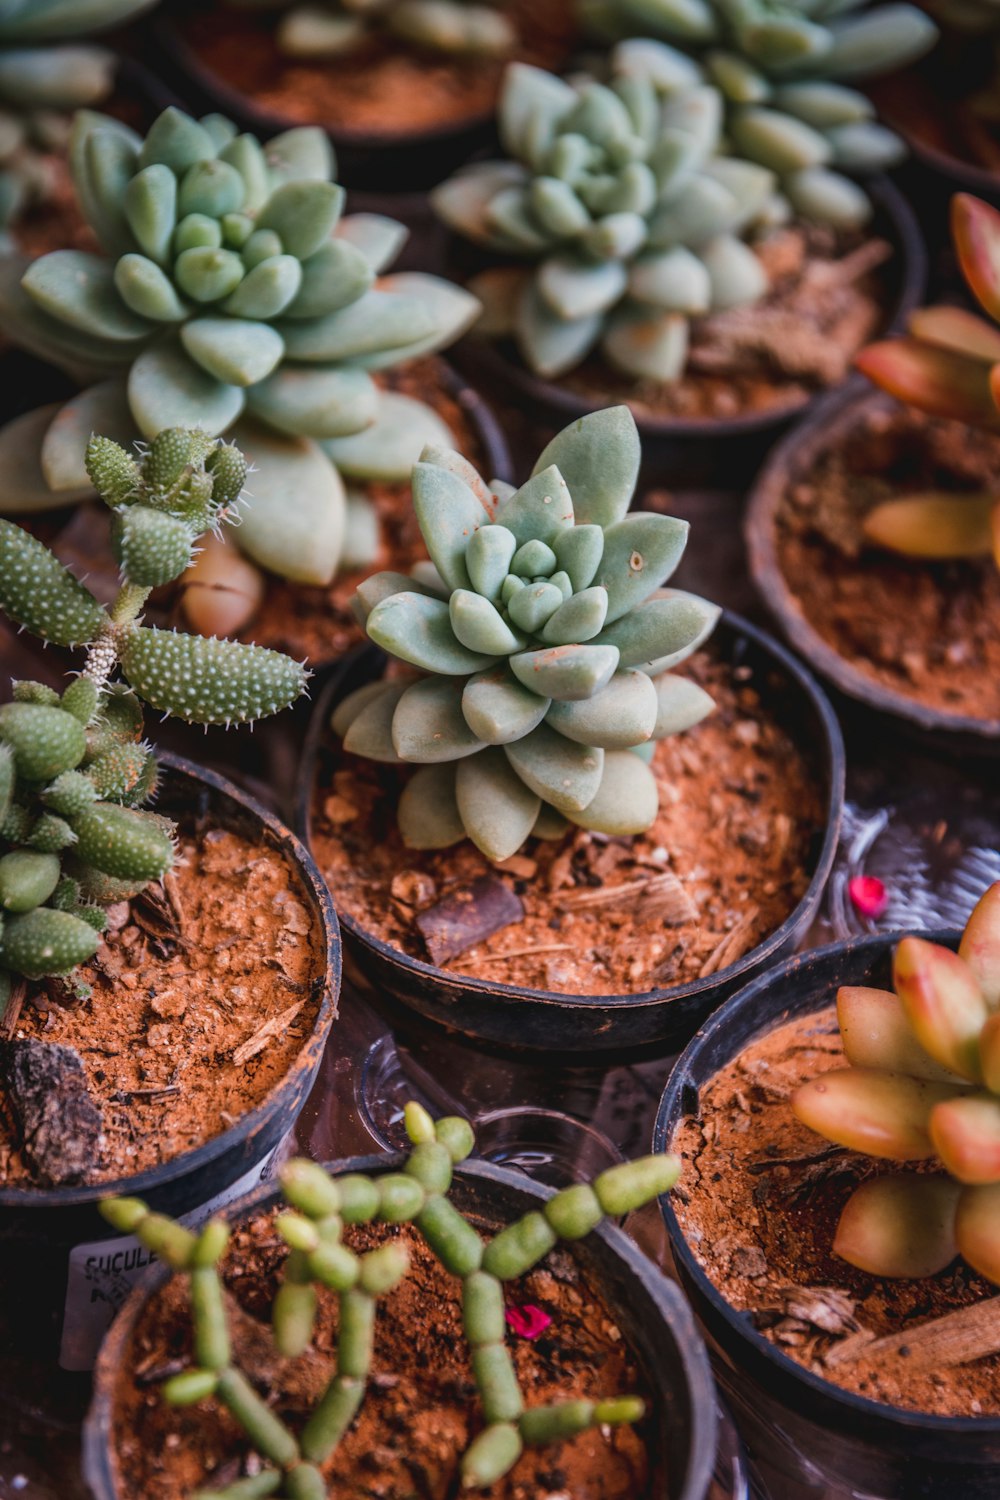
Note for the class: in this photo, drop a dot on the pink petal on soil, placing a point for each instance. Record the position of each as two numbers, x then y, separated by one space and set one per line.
527 1321
869 896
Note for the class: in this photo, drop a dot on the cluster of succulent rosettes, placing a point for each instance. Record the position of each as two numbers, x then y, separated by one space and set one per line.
632 214
948 364
783 74
319 1207
454 28
545 637
923 1083
40 81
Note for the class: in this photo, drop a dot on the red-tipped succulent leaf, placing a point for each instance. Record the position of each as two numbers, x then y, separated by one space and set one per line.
957 329
977 1229
966 1136
869 1110
943 1003
936 380
980 945
975 228
876 1034
900 1225
933 525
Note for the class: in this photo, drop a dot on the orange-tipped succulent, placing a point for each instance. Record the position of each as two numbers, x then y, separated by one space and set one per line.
923 1085
948 365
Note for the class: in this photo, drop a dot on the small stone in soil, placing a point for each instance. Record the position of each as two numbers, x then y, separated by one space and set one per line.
467 916
62 1124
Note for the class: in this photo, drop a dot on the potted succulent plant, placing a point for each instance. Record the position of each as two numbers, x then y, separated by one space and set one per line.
406 89
149 1032
873 532
636 248
826 1274
232 294
549 850
370 1275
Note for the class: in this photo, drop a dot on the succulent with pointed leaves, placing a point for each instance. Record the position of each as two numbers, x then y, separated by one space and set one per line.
296 1463
783 72
948 364
544 636
923 1083
628 212
452 28
230 295
45 71
74 772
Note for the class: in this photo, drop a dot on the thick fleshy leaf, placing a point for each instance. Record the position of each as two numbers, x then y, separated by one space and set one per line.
388 448
348 708
379 586
778 141
208 682
579 550
901 1225
497 810
103 158
451 308
580 618
933 379
150 205
627 800
681 704
619 716
549 344
335 276
578 289
100 408
427 814
23 485
958 329
448 514
487 558
315 402
447 458
943 1003
176 140
428 724
676 280
480 626
293 523
375 321
980 945
989 1053
245 153
875 1112
147 290
876 1034
529 95
540 509
933 525
79 289
640 553
167 389
268 288
379 239
975 228
302 213
38 592
531 606
736 274
567 673
564 773
498 709
235 351
463 201
646 343
822 196
369 732
598 456
302 154
966 1136
662 632
417 629
977 1229
887 37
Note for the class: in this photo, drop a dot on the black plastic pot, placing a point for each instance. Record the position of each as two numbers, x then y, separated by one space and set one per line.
587 1028
812 1437
710 450
940 80
40 1227
791 463
653 1316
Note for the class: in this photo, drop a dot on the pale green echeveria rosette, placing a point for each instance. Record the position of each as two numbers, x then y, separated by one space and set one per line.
231 295
44 74
544 638
445 28
631 215
786 74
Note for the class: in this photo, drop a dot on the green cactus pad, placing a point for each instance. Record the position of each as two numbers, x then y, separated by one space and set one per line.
45 941
209 681
36 591
45 741
123 842
152 548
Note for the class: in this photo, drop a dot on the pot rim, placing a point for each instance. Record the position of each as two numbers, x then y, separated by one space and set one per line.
667 1295
793 456
969 176
481 417
836 759
669 1113
329 942
909 245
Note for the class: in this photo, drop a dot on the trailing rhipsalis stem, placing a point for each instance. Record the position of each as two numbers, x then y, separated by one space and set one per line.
74 771
923 1083
544 636
319 1207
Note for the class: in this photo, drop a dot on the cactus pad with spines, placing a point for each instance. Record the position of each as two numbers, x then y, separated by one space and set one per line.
540 642
923 1084
319 1205
74 772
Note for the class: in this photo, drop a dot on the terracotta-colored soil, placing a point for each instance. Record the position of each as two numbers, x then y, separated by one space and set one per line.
420 1410
759 1202
57 223
385 89
186 978
928 630
826 299
317 622
740 809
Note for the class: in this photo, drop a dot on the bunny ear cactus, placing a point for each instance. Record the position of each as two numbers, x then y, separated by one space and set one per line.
73 769
453 28
39 82
923 1084
783 74
948 365
631 214
319 1206
230 291
543 635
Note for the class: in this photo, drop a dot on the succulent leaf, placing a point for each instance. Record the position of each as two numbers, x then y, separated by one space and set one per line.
209 681
876 1112
900 1226
38 592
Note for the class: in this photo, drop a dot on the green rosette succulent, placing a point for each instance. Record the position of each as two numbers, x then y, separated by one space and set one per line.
449 28
631 214
784 71
544 638
40 81
231 295
74 771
